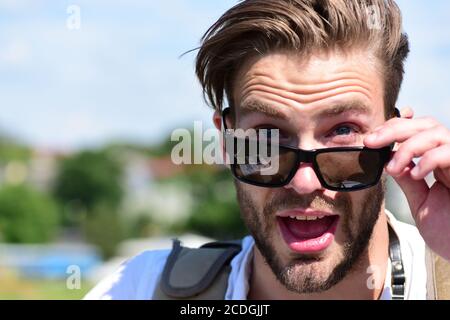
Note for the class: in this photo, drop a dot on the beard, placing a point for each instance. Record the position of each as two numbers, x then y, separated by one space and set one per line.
312 273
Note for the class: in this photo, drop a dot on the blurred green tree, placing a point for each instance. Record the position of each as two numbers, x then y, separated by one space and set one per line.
104 228
10 149
89 185
26 215
90 178
215 212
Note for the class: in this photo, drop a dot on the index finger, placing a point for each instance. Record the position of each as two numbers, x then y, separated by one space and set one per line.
397 130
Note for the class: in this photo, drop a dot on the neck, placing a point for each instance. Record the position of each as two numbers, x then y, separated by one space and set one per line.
364 281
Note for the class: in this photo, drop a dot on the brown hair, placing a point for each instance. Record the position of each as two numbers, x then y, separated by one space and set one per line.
257 27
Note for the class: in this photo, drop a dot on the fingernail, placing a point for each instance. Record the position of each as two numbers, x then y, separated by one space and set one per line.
373 136
415 171
391 165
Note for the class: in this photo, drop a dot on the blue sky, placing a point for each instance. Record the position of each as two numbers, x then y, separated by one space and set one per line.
120 75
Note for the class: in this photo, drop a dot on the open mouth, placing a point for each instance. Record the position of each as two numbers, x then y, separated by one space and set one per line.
308 233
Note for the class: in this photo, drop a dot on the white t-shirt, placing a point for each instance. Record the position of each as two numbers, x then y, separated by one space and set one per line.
138 277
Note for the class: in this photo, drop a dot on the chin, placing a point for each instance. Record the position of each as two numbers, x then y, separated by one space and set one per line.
311 273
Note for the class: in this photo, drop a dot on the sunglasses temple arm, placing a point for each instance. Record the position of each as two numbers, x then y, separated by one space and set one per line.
225 112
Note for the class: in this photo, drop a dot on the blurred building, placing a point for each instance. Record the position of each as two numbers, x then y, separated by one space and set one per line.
39 170
165 203
48 260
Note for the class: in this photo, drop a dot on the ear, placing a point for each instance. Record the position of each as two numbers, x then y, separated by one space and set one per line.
218 122
217 119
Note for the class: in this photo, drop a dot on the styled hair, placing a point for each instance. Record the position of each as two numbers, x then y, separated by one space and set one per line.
254 28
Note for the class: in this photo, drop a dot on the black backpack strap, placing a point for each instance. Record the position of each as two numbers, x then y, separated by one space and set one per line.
199 273
398 271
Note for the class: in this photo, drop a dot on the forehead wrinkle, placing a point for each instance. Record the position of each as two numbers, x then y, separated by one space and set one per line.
312 87
305 93
284 96
291 85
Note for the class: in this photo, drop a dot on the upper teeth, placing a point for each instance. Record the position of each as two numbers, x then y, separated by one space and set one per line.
306 217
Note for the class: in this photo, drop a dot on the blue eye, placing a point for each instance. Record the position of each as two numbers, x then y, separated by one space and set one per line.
343 130
345 134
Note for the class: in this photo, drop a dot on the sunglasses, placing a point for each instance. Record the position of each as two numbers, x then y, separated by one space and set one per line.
339 169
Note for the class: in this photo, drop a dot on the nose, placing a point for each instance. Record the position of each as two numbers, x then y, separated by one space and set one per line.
305 180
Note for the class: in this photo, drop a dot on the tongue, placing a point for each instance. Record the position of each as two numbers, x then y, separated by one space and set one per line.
308 229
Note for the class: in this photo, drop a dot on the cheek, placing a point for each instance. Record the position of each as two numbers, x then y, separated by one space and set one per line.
357 200
259 196
354 215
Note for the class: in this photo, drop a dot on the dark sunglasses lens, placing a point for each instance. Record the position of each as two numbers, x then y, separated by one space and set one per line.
269 170
350 169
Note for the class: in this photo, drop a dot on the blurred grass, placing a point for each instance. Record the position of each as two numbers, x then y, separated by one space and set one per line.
14 287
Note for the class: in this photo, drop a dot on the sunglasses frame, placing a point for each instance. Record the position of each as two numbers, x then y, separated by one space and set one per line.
310 156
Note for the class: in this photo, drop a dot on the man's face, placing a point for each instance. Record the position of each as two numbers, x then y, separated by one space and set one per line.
315 102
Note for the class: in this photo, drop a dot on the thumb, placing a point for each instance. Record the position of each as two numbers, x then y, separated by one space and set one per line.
416 191
407 113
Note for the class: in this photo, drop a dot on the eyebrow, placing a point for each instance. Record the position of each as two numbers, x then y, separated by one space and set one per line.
262 107
355 106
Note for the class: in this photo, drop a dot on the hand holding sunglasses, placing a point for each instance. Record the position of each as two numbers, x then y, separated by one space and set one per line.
429 140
